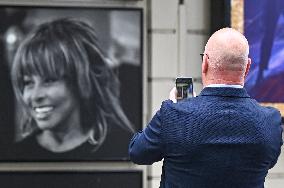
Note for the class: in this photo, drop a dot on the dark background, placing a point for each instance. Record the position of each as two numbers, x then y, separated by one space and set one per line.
55 179
220 15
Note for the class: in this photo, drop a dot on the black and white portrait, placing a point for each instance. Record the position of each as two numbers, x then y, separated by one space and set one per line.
71 83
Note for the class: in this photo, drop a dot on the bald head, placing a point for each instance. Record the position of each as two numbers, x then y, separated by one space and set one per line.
228 51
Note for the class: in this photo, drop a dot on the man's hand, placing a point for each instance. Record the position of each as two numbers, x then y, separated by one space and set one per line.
173 95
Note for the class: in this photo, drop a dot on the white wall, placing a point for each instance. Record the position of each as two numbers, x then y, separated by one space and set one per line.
178 33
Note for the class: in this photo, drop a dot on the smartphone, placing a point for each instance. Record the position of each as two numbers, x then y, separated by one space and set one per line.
184 86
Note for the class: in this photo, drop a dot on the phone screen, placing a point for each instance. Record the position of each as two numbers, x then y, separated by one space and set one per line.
184 86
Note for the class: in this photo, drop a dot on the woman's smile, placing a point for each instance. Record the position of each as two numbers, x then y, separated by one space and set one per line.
43 112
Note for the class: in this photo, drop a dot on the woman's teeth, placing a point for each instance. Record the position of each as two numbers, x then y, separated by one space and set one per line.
43 109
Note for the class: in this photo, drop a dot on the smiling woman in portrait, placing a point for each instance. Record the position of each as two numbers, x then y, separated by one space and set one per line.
66 92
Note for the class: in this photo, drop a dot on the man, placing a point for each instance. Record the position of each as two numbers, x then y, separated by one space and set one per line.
222 138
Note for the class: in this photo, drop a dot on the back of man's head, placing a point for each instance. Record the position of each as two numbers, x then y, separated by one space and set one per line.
227 57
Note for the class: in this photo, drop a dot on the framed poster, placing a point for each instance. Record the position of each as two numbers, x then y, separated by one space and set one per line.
262 25
55 179
71 82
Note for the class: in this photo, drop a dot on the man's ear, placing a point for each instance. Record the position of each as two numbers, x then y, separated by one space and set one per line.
248 67
205 65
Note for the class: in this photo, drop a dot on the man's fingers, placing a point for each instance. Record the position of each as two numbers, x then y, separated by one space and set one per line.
173 95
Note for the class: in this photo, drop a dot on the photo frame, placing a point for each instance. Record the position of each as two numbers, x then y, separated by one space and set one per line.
120 35
78 179
262 26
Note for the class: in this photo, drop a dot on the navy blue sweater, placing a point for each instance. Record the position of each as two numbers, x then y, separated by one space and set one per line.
222 139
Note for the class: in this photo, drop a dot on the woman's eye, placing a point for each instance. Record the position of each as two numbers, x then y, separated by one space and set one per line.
27 82
49 81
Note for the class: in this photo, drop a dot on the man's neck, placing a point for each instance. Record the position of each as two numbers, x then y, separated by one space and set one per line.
223 81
